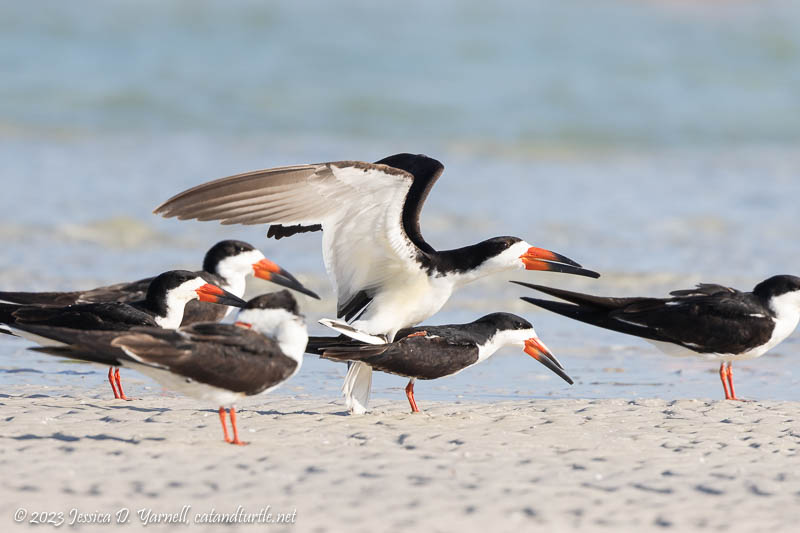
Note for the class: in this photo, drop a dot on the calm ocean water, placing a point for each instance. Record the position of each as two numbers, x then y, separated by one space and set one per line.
655 142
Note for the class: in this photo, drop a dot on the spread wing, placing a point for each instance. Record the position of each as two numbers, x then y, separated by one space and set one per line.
360 207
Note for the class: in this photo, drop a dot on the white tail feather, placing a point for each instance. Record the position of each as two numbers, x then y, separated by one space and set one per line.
346 329
357 384
357 387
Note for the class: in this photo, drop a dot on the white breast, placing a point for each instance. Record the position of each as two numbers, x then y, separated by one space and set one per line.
404 302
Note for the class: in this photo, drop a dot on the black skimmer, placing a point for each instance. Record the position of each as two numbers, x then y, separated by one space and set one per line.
715 322
227 265
162 307
219 363
387 277
431 352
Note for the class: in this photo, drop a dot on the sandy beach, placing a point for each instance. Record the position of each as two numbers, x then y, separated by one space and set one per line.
551 465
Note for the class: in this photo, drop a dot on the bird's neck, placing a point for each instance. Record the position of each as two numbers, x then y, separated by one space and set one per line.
786 309
292 337
235 285
282 326
467 264
169 313
490 346
231 279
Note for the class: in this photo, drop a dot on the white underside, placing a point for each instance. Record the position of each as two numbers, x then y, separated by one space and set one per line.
404 303
200 391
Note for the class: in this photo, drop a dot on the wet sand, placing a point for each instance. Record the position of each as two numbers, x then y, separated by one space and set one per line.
554 465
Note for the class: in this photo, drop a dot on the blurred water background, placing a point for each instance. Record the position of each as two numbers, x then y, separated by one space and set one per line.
653 141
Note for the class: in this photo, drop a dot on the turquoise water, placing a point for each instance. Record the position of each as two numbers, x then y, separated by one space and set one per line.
463 73
655 142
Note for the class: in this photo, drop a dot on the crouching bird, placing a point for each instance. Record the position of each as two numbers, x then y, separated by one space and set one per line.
431 352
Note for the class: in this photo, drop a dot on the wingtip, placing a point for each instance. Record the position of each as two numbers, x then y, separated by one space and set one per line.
165 212
550 305
161 209
166 208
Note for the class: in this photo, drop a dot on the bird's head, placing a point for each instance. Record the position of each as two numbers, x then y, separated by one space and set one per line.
506 253
235 260
506 329
276 315
169 293
184 286
781 293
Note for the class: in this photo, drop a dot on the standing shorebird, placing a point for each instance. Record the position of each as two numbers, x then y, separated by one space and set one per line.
218 363
714 322
386 276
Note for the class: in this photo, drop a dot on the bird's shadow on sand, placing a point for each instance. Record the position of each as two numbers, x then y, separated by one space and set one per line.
273 412
132 408
72 438
20 371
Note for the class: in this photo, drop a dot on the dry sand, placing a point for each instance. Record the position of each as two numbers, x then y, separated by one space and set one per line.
546 465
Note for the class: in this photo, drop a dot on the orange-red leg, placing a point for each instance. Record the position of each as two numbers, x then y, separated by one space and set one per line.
729 374
410 396
111 380
224 427
723 377
235 430
422 333
119 385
